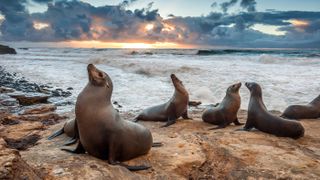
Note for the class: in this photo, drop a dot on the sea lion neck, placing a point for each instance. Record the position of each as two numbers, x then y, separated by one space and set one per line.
99 93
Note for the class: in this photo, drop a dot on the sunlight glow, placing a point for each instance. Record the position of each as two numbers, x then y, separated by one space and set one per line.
136 46
149 27
299 23
268 29
130 45
168 27
40 25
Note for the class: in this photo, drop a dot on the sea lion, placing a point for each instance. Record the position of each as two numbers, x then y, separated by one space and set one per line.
102 132
69 129
261 119
226 112
170 111
309 111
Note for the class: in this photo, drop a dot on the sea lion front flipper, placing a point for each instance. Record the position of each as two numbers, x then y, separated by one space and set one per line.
171 115
157 144
236 122
56 134
220 126
71 141
185 115
79 149
75 137
169 122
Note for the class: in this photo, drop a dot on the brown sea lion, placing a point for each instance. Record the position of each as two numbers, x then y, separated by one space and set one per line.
309 111
69 129
226 112
102 132
170 111
261 119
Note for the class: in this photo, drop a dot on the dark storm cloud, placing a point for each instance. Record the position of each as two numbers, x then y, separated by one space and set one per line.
226 5
250 5
77 20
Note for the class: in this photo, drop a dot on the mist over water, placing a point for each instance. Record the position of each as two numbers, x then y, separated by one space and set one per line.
142 77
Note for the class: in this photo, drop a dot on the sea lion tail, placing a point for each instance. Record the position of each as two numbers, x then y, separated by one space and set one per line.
135 168
157 144
55 134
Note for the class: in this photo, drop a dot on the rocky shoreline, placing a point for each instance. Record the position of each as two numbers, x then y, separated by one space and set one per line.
25 111
190 150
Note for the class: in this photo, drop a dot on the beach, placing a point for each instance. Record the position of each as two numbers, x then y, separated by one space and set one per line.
141 79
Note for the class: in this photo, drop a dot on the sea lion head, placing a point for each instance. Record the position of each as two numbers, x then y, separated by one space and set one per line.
98 77
234 88
178 84
254 88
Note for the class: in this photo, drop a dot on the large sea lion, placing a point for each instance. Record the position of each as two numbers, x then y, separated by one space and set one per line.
309 111
170 111
102 132
69 129
226 112
261 119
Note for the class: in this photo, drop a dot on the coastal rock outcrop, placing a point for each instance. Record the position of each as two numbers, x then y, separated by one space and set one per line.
7 50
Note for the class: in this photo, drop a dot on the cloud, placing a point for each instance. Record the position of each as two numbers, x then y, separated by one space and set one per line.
226 5
77 20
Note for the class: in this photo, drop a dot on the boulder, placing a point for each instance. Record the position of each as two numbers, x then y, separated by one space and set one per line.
7 50
12 166
30 98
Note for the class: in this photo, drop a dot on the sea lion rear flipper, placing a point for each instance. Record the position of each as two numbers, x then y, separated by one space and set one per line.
236 122
79 149
56 134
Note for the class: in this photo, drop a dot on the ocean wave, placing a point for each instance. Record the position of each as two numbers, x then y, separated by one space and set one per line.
297 53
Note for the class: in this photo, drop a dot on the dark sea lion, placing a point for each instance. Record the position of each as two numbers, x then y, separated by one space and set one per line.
170 111
102 132
309 111
261 119
226 112
69 129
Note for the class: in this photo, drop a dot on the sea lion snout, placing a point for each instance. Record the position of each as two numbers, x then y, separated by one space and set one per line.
173 76
238 85
90 67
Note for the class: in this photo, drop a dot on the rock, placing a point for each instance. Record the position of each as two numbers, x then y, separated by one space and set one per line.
35 117
22 143
30 98
7 50
6 90
194 103
12 166
38 109
6 100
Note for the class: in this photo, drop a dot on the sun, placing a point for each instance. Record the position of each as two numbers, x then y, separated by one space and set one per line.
149 27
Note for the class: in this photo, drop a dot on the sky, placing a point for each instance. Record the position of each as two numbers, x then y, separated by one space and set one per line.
163 23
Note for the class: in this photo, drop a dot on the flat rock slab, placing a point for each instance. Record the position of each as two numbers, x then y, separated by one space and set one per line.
38 109
191 151
30 98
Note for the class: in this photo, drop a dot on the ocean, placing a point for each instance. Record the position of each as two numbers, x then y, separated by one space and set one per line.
141 77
